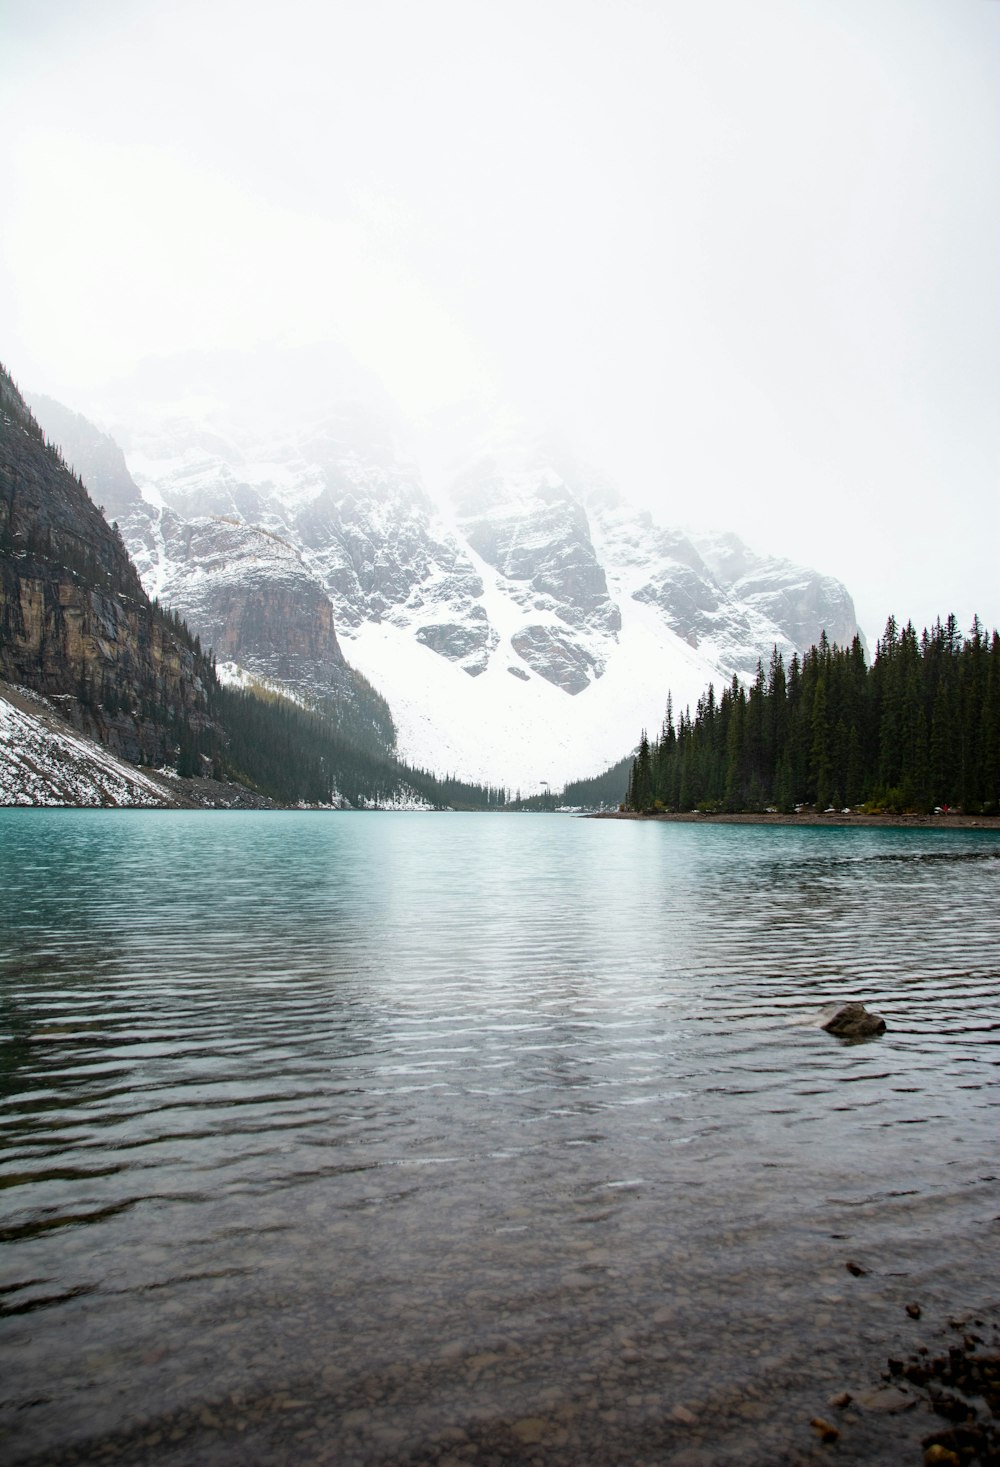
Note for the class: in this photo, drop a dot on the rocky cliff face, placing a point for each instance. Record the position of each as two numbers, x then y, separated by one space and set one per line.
718 596
75 622
531 529
790 596
381 552
247 593
242 587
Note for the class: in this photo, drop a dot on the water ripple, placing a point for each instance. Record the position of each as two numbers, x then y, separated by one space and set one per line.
327 1109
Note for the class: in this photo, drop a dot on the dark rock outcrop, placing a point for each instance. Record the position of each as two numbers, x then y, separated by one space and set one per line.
540 542
853 1021
467 642
556 657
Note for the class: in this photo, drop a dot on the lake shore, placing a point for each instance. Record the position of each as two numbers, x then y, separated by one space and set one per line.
938 822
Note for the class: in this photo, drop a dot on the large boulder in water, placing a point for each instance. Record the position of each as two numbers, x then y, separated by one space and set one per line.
853 1021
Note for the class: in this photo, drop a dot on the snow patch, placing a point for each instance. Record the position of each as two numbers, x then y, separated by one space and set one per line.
475 729
41 764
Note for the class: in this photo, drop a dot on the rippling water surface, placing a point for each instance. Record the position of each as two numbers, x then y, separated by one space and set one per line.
332 1138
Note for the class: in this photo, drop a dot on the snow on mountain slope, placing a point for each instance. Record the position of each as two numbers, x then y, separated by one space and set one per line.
785 594
513 725
44 762
523 624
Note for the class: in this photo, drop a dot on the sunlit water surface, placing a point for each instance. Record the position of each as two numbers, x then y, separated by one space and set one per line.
333 1138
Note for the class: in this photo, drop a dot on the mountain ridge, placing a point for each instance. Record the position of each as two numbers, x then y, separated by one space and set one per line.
95 676
519 627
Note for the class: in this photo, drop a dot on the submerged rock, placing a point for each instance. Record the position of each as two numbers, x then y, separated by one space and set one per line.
826 1431
887 1399
853 1021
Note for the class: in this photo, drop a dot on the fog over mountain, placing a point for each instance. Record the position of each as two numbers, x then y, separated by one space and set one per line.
743 258
386 306
519 615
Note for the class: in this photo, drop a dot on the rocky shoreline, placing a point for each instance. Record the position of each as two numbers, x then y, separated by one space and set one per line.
952 1387
811 817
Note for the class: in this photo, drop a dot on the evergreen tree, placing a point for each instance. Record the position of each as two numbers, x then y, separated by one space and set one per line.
920 727
642 778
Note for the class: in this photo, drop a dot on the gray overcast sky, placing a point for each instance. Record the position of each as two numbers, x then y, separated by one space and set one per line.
746 255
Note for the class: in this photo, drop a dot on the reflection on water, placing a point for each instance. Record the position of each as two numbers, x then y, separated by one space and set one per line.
384 1139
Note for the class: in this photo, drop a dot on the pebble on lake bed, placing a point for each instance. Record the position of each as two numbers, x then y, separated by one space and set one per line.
939 1456
826 1430
886 1398
683 1415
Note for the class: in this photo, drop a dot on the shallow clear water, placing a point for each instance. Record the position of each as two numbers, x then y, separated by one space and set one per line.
332 1138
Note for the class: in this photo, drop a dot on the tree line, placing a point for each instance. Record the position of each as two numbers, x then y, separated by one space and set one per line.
293 755
916 730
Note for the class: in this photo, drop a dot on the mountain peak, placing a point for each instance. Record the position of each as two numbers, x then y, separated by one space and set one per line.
521 624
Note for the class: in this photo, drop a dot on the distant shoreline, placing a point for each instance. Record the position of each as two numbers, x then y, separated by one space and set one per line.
936 822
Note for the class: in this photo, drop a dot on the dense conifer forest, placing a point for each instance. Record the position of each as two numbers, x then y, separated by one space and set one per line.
916 730
607 789
294 755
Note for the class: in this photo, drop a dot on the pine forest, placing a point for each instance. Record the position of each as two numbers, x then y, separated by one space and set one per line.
917 730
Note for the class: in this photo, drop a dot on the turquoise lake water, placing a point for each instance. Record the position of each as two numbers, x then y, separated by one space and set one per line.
361 1138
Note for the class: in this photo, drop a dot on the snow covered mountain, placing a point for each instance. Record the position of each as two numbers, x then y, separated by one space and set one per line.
523 623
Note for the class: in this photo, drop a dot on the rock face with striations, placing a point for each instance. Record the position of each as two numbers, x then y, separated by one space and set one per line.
528 526
75 622
247 593
381 552
717 595
242 587
789 595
